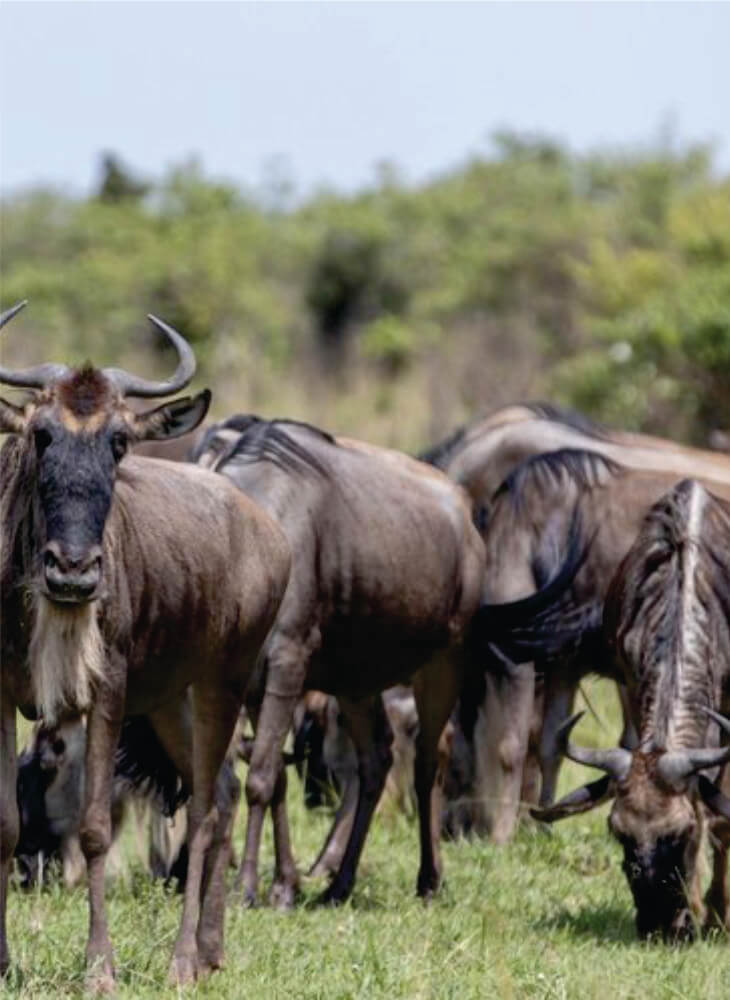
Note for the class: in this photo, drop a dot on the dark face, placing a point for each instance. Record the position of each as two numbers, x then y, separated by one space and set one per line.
659 864
76 458
657 878
35 836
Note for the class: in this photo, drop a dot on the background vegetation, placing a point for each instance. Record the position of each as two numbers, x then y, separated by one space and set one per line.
602 282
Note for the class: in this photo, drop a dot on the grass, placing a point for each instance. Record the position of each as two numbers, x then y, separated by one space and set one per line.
549 916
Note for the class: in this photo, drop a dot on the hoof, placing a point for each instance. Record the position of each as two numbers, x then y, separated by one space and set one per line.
248 899
183 970
99 982
282 895
209 962
99 977
427 888
334 895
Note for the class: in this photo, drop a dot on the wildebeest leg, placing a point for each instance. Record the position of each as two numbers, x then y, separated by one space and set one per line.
284 679
370 730
102 736
330 857
210 927
286 877
436 688
558 706
9 820
215 711
514 703
341 757
531 777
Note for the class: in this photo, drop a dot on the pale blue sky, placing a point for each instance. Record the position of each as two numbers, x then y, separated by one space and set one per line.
336 87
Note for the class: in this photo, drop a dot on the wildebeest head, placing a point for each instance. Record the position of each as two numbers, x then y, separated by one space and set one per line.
77 428
60 468
656 817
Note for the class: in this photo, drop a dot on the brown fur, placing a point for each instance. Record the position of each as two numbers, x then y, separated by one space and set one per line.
479 458
193 574
666 631
386 575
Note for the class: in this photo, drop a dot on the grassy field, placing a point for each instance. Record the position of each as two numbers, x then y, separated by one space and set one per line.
549 916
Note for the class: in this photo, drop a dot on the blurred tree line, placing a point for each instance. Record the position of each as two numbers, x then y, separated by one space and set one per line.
601 282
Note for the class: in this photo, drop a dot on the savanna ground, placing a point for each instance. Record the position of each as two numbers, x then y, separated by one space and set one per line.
548 916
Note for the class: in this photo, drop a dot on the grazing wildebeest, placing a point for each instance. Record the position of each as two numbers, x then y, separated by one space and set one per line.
525 541
124 582
497 713
386 574
50 794
667 628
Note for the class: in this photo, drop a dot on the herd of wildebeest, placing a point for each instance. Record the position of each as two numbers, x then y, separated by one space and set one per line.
421 623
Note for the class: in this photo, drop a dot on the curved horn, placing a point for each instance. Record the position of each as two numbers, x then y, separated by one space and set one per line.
676 766
615 762
29 378
133 385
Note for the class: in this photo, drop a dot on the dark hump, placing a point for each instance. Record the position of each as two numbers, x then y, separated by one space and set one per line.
437 454
440 453
549 469
568 418
269 440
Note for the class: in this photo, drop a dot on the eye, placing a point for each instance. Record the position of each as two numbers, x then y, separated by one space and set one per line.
119 445
42 438
59 746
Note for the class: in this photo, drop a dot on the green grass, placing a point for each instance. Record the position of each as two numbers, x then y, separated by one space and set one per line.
548 916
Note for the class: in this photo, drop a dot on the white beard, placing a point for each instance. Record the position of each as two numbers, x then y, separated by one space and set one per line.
66 657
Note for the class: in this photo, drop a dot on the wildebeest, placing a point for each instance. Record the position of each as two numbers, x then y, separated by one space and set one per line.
50 792
124 582
525 540
667 628
386 574
497 714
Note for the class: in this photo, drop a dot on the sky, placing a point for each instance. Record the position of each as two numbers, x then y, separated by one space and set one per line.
329 90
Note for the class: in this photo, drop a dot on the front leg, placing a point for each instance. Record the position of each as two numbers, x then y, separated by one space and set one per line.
102 737
9 821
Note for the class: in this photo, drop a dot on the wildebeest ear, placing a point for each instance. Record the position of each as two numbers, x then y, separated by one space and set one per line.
579 801
713 798
12 418
172 419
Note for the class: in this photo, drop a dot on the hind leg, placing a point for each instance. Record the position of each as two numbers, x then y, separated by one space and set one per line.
514 703
436 688
341 758
285 671
559 697
210 927
371 733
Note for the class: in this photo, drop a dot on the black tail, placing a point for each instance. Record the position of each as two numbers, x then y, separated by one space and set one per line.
545 624
142 762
